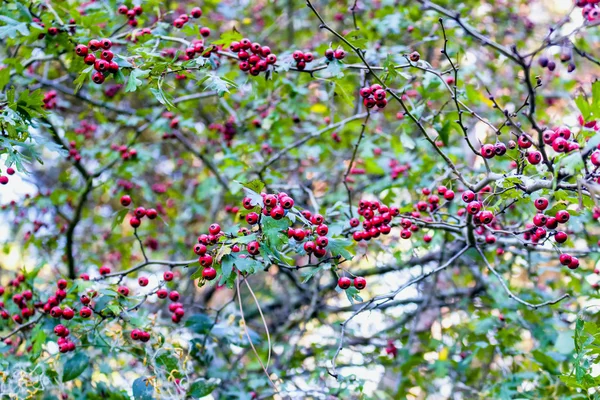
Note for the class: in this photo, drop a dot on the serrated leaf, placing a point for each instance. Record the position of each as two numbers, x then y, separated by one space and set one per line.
134 81
338 247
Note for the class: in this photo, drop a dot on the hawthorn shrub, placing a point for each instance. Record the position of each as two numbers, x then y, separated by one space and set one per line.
286 199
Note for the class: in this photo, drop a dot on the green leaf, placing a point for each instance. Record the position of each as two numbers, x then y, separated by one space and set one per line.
338 247
118 218
4 77
75 366
162 97
12 27
80 80
274 230
199 323
256 185
308 274
169 362
202 387
142 390
228 37
133 82
226 266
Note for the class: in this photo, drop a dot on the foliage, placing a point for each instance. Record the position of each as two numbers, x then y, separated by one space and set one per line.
393 113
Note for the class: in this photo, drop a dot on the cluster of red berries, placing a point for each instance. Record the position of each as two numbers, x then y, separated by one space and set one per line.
231 209
177 312
126 152
558 138
276 206
302 58
181 20
136 220
590 9
474 208
433 200
86 129
257 60
131 14
20 299
566 55
397 168
73 152
64 344
537 229
317 235
140 335
103 65
4 178
227 131
49 100
337 54
201 249
377 220
489 150
359 282
197 47
374 95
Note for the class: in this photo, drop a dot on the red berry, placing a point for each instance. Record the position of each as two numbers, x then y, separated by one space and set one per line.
98 77
135 334
565 259
135 222
562 216
143 281
56 312
85 312
561 236
62 284
209 273
196 12
214 229
204 31
339 54
68 313
541 203
168 276
206 260
151 213
81 50
360 282
253 248
94 45
344 282
125 200
162 293
174 295
534 157
123 290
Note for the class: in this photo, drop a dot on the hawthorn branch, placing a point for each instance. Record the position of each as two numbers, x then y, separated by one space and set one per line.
511 294
22 327
371 304
422 129
350 165
188 145
145 264
306 138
